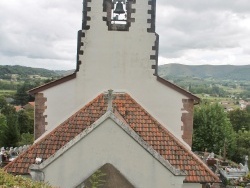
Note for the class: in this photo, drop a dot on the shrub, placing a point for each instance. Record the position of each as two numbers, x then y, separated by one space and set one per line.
10 181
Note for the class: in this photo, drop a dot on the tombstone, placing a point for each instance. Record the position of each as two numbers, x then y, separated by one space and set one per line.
16 151
11 152
25 147
2 150
212 155
246 164
20 149
2 155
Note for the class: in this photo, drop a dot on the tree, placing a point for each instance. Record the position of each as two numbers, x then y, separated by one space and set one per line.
10 133
243 143
240 119
3 102
21 96
212 129
2 128
248 108
8 110
25 124
26 139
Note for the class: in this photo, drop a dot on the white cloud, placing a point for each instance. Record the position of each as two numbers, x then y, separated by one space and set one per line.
44 33
39 32
207 30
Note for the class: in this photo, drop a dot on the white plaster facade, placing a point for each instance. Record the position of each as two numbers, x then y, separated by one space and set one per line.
108 142
118 60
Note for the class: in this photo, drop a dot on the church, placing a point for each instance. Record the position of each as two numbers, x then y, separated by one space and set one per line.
114 114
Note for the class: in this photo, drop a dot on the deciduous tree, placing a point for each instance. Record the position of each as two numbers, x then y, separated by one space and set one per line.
212 129
25 124
243 143
10 133
240 119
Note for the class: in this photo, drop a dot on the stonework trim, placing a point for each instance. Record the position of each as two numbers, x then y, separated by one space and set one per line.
152 13
126 128
40 121
80 34
187 119
52 84
155 56
85 16
178 89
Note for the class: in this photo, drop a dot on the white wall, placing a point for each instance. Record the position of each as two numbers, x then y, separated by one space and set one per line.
117 60
109 143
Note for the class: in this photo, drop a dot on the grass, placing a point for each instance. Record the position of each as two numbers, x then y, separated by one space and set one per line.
7 93
230 101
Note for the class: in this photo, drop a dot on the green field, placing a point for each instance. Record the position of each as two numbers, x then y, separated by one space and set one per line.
7 93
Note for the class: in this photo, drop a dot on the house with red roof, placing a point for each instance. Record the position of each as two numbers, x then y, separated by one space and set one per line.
29 105
114 113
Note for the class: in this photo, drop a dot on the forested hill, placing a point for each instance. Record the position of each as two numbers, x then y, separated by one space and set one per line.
168 71
24 71
220 72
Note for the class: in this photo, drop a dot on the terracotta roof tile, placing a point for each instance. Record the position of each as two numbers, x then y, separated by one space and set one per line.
137 118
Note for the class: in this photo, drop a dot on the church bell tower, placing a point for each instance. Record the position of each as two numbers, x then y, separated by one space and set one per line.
117 43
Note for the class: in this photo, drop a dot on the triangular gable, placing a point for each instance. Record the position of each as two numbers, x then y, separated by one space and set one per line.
143 124
120 122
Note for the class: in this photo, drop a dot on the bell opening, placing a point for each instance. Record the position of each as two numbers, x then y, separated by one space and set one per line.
119 15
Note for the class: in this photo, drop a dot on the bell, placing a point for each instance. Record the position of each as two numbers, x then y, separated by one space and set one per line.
119 8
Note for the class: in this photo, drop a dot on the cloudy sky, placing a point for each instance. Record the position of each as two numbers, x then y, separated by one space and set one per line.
44 33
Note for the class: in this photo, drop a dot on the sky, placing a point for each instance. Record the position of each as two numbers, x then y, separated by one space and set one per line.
195 32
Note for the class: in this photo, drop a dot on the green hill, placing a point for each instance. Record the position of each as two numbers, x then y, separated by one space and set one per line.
220 72
24 71
168 71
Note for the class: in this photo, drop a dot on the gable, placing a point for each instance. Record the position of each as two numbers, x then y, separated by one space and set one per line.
138 119
107 143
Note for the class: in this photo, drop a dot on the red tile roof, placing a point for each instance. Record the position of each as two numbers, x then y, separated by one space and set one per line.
32 103
137 118
18 108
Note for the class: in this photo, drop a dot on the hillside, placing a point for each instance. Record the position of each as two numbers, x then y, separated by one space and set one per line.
168 71
220 72
6 70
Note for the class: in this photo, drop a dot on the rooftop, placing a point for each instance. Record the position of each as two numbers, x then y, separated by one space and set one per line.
151 131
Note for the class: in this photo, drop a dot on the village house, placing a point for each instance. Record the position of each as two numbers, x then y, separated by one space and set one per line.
114 113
